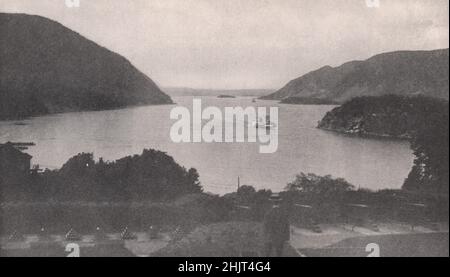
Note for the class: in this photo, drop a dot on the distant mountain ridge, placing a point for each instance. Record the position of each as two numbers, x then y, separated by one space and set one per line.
47 68
401 73
184 91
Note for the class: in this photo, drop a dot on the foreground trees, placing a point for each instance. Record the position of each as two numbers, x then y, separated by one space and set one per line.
430 145
153 175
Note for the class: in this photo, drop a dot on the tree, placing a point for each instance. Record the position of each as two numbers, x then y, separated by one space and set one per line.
325 185
153 175
430 145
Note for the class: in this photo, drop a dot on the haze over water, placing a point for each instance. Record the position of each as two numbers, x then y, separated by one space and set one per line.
367 163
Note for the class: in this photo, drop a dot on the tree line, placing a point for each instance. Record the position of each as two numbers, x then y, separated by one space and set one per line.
152 175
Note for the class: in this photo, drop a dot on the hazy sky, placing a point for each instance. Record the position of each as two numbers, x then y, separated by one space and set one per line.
246 43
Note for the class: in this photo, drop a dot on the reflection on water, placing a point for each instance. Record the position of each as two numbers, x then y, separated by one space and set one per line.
368 163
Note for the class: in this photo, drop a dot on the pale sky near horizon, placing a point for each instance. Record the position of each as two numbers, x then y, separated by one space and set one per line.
231 44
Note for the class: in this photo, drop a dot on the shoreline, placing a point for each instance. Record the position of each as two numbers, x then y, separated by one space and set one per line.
18 120
365 135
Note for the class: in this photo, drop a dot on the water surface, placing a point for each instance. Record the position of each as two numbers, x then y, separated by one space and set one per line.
367 163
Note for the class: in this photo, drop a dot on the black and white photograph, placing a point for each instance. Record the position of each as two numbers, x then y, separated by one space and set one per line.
224 129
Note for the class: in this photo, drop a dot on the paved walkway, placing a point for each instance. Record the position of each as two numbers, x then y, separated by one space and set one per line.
392 238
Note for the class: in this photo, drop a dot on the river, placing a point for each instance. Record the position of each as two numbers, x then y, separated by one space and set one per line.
367 163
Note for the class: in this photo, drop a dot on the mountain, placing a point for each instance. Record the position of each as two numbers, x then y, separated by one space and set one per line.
47 68
401 73
181 91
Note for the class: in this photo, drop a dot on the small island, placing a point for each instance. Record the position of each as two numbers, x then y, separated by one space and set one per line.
226 96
